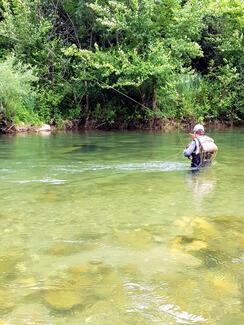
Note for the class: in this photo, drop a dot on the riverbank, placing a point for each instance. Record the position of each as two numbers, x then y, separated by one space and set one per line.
156 125
23 128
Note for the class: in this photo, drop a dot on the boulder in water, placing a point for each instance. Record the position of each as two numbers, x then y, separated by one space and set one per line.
63 300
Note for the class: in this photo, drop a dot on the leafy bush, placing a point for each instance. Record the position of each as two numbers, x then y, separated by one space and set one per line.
122 63
17 97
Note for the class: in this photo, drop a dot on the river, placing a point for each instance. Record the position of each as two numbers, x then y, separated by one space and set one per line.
113 228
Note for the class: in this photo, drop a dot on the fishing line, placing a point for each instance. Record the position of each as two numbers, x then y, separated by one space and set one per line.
100 83
127 96
118 91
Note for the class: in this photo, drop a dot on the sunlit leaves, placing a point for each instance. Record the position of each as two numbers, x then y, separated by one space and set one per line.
17 97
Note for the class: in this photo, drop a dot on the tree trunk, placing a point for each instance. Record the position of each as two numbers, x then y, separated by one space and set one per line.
87 98
154 98
154 103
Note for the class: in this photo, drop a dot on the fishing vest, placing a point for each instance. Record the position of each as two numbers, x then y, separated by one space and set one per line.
206 148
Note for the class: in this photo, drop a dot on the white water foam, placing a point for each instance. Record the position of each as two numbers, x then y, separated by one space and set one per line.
145 166
45 180
137 166
182 317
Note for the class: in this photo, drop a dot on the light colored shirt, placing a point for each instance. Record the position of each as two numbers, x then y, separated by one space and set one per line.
190 149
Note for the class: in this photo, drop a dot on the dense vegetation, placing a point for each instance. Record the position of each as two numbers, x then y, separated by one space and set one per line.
121 63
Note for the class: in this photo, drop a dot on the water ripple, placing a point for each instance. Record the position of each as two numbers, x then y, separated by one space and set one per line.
143 166
181 316
45 180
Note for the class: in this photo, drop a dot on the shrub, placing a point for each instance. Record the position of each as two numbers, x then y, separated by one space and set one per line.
17 97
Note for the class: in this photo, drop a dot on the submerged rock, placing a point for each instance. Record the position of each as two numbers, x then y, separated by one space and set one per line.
97 280
198 228
75 288
188 244
63 300
204 229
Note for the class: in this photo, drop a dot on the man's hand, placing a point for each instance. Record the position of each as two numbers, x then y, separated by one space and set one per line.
193 136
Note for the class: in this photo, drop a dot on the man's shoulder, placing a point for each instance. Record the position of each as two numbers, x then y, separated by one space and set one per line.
190 148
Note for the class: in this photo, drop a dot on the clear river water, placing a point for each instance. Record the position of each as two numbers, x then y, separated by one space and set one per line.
114 229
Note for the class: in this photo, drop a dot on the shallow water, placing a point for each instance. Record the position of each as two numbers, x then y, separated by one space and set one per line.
113 228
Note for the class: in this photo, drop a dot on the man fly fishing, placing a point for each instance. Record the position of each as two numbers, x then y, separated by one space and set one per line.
202 148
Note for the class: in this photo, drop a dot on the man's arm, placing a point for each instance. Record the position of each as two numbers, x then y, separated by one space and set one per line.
189 150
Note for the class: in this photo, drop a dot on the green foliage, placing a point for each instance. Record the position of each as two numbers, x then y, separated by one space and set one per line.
121 63
17 97
227 93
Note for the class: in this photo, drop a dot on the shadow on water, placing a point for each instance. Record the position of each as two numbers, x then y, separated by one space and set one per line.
80 148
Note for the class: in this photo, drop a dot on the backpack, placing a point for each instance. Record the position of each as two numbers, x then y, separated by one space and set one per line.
207 144
206 147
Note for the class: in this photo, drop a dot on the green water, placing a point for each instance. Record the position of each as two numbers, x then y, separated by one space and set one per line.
112 228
